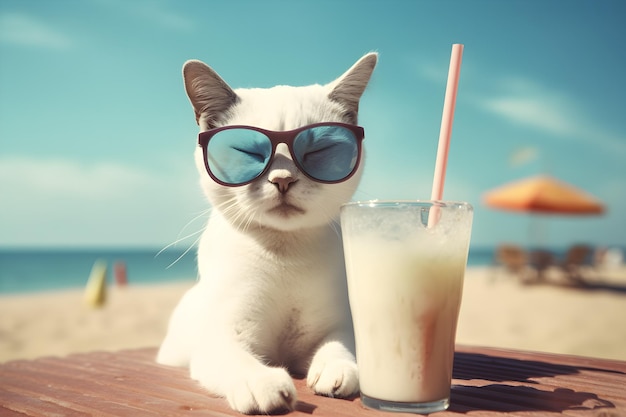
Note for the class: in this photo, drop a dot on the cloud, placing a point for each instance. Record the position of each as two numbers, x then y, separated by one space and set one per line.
21 29
154 12
527 103
52 201
65 178
524 156
431 72
436 71
162 17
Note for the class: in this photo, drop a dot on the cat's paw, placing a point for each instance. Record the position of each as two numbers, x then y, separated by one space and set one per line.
270 390
334 378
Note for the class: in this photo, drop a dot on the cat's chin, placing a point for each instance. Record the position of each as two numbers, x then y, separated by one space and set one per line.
285 210
286 217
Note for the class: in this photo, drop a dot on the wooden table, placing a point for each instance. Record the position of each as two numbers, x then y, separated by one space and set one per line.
487 382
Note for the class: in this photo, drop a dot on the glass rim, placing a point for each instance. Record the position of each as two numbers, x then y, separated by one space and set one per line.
407 202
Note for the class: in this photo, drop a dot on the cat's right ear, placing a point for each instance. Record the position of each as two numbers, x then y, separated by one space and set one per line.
210 96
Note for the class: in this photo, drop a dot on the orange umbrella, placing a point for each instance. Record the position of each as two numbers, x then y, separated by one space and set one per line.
543 194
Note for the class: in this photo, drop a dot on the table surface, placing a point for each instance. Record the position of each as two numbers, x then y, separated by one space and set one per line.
487 382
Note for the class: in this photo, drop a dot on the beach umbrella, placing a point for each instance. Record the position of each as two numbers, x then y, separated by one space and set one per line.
543 194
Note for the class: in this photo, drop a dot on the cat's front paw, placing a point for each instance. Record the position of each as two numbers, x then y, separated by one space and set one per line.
270 390
334 378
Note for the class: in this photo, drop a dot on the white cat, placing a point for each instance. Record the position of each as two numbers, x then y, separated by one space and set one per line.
272 297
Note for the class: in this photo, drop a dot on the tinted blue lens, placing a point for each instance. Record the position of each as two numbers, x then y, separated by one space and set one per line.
326 153
236 156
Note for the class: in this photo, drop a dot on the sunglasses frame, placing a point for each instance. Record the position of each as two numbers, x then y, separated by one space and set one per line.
277 137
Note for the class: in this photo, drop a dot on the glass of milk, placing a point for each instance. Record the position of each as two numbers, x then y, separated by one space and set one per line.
405 279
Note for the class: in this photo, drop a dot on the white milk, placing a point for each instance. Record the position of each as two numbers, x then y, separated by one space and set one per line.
405 297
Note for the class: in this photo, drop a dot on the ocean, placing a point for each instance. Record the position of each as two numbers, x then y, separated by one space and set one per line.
31 270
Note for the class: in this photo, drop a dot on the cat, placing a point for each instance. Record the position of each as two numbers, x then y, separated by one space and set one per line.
271 298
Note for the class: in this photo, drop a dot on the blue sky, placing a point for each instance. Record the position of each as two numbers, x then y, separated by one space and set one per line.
97 135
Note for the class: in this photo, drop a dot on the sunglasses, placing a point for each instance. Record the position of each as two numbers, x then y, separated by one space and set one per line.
325 152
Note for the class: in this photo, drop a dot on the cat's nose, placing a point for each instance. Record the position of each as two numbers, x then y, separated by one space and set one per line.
282 182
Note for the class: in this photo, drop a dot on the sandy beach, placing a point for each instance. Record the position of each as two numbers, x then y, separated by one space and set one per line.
497 311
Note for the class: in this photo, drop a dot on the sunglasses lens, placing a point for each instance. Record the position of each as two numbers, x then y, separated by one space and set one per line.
327 153
236 156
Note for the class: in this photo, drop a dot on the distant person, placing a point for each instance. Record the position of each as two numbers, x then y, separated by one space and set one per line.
121 276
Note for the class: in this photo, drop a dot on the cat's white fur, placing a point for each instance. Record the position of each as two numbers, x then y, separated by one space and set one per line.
271 297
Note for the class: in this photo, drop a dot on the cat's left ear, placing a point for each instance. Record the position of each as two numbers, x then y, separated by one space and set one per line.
348 88
210 96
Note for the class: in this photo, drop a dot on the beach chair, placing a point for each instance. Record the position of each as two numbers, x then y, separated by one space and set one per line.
540 261
513 259
576 261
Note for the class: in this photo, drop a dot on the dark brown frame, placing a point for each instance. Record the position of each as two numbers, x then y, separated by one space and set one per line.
276 137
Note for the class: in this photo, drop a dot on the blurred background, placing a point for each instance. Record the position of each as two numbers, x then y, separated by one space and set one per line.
97 135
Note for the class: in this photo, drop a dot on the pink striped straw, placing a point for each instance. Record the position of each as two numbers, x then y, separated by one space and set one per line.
446 128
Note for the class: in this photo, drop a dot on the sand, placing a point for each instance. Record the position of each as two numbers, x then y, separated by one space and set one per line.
497 311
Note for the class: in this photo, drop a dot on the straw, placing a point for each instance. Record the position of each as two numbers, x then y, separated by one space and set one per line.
446 128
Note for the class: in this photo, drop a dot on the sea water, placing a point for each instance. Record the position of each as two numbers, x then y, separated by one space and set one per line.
30 270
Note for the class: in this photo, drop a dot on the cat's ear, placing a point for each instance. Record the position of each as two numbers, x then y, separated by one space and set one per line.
210 96
348 88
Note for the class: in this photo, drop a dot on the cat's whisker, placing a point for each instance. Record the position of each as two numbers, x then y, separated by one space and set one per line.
228 210
234 215
242 215
202 214
336 226
231 209
367 195
180 239
190 247
177 241
186 251
333 222
250 219
226 204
